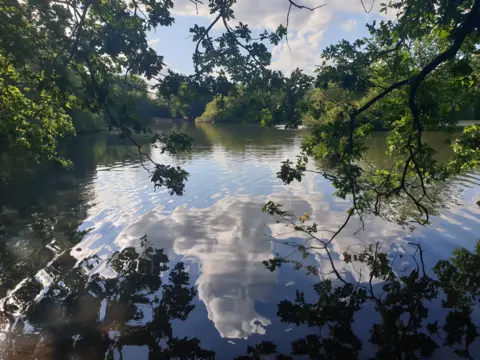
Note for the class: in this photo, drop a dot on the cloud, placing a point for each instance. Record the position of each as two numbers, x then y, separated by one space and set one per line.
271 13
304 52
228 242
306 28
153 42
188 8
349 25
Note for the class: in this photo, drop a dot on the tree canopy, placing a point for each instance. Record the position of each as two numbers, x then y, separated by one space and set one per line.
270 99
51 51
58 57
414 72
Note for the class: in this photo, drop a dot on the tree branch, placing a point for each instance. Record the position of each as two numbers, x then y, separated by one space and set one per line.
472 22
201 39
305 7
380 96
365 8
292 3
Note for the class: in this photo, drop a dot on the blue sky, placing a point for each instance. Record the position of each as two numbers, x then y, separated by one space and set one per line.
309 32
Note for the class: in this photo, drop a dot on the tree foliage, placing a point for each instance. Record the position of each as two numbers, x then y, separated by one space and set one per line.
270 99
58 57
411 74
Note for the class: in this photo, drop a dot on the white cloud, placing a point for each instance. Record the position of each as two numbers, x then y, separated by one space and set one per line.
271 13
306 28
305 31
349 25
188 8
228 242
153 42
304 52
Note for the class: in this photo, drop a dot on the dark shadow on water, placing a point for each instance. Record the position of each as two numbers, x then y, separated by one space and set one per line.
82 315
125 307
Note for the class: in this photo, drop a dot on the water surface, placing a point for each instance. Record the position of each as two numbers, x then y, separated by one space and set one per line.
216 229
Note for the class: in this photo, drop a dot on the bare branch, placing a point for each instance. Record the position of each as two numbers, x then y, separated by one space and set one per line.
288 21
196 2
201 39
365 8
292 3
305 7
350 212
420 251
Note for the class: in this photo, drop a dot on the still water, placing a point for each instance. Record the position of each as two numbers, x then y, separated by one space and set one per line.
82 252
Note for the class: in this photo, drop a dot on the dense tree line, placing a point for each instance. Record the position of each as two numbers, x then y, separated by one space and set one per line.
139 101
187 96
450 95
269 99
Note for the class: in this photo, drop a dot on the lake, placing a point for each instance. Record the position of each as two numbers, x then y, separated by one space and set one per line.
82 251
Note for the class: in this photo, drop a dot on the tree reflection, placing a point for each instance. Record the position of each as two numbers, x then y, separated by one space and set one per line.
41 206
237 138
85 315
407 328
416 311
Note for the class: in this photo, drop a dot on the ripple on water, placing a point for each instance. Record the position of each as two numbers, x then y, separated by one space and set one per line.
217 228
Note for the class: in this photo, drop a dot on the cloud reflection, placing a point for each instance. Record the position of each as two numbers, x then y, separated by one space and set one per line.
229 242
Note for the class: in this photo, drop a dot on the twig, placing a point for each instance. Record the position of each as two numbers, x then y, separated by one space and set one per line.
362 227
420 251
115 123
365 8
292 3
288 21
305 7
201 39
341 227
230 31
196 2
334 268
